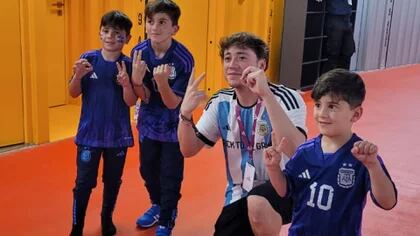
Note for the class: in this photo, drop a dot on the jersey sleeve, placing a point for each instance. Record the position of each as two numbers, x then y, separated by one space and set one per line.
292 103
298 115
181 81
185 58
207 126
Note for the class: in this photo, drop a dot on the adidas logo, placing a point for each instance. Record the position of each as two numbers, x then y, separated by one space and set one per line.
305 175
94 76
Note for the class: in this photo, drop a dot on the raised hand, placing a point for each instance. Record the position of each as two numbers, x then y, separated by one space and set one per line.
139 69
272 155
122 77
161 74
256 80
81 67
193 96
366 153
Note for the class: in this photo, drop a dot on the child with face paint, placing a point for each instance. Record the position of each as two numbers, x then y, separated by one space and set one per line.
102 78
161 92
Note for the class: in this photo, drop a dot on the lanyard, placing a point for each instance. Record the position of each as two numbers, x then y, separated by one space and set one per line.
249 143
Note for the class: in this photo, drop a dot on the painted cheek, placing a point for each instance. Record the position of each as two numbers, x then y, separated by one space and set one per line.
121 39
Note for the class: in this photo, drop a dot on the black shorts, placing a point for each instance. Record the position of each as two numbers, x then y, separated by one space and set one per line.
233 220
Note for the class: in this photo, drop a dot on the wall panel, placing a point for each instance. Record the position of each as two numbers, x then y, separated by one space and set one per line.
11 89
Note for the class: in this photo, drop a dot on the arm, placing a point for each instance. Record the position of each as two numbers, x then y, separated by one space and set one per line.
123 79
130 98
282 125
80 68
137 76
272 158
189 143
381 185
256 80
161 76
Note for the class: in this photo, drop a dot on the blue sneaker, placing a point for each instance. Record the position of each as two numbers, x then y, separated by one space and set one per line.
163 231
166 230
150 217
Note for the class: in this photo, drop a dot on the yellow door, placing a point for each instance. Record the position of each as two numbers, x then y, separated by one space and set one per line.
193 21
56 53
11 90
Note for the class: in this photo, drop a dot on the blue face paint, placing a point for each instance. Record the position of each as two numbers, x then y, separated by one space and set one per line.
121 38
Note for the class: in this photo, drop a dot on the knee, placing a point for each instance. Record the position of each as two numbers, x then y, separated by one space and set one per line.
85 184
111 182
257 208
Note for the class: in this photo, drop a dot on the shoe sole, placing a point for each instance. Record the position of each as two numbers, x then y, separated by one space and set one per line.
146 226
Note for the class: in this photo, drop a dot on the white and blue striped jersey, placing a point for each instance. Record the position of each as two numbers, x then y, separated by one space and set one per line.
328 190
219 121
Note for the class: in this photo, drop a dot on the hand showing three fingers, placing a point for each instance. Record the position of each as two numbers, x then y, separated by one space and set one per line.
122 77
161 74
366 152
193 96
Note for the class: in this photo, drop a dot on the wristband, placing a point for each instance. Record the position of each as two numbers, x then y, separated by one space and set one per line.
186 120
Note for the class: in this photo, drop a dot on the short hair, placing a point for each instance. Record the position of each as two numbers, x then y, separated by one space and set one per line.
340 84
245 40
117 19
163 6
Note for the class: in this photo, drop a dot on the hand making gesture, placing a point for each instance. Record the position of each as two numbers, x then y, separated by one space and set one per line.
366 153
256 80
122 77
81 67
161 74
139 68
272 155
193 96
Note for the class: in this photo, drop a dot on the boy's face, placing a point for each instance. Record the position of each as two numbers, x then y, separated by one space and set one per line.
334 117
159 28
235 61
113 39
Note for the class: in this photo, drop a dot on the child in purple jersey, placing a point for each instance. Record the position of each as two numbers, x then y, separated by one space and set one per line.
101 77
330 175
161 90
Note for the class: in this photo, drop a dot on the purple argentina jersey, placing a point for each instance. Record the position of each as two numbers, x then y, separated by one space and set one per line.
328 190
105 118
155 120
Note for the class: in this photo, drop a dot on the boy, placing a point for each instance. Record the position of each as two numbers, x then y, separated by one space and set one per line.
161 91
242 117
330 175
104 127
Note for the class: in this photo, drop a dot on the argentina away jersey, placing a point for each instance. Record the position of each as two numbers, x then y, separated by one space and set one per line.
219 121
105 118
328 190
155 120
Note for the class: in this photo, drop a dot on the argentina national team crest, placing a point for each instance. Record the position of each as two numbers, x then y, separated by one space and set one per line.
172 75
346 177
262 128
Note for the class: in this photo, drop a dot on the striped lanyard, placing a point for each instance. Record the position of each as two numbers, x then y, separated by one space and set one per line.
249 143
